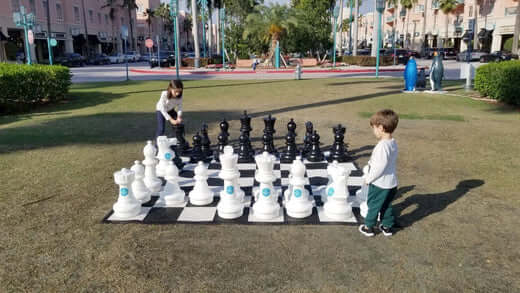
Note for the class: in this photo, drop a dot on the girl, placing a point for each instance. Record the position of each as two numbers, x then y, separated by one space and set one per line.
170 98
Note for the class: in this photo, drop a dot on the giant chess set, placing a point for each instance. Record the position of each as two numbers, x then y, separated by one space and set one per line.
176 183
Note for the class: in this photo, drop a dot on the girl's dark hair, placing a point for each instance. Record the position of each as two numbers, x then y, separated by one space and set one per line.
174 84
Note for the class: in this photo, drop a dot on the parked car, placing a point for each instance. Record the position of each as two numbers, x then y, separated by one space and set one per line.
363 52
70 59
188 55
402 55
167 58
475 56
98 59
116 58
446 53
497 56
132 56
414 53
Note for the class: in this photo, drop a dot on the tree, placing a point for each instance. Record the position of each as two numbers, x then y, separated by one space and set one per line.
313 33
395 3
163 12
130 5
407 4
187 24
356 23
149 13
195 31
270 24
447 7
110 4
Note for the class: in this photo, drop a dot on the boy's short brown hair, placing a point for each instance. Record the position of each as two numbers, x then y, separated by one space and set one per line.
387 118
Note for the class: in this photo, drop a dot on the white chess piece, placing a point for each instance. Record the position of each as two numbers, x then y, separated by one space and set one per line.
337 206
164 154
151 181
141 192
266 204
231 204
172 193
296 196
127 206
201 193
362 194
331 168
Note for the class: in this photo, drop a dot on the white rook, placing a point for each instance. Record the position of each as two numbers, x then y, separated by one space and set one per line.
127 206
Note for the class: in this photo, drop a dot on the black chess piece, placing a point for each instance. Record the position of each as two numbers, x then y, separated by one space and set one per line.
268 144
222 142
206 143
307 138
269 122
245 124
224 127
244 153
196 152
177 159
291 150
182 145
315 154
291 127
338 151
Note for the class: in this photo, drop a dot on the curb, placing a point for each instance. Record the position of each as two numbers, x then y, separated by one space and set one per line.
283 71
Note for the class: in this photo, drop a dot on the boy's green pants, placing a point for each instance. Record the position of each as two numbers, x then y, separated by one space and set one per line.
379 200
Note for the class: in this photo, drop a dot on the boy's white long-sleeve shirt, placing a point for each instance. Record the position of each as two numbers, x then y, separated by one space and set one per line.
164 105
382 165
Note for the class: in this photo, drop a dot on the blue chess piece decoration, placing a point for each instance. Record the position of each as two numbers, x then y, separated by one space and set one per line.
410 74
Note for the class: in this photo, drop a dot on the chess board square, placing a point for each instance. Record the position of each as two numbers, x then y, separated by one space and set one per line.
216 190
185 159
285 167
197 214
276 166
277 173
246 166
310 220
161 204
186 173
214 166
284 173
315 165
139 217
186 181
317 190
324 219
319 180
162 215
214 203
355 181
253 219
356 173
248 200
215 181
285 181
317 173
348 166
151 202
246 181
247 173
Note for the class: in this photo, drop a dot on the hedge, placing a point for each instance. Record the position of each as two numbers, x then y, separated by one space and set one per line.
367 60
500 81
190 62
25 86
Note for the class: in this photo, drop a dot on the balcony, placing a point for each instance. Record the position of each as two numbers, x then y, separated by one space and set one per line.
390 19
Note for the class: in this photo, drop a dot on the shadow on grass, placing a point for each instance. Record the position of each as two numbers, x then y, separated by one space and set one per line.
103 128
428 204
359 82
364 151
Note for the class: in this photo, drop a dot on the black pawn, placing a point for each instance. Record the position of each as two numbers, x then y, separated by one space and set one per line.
245 124
315 154
224 128
222 142
206 143
291 127
196 152
338 151
268 144
307 138
245 154
289 155
182 145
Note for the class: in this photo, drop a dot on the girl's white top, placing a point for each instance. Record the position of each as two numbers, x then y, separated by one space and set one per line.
382 165
164 105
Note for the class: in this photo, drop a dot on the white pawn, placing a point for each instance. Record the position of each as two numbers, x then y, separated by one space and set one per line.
201 194
151 181
172 193
296 196
127 206
164 154
337 206
141 192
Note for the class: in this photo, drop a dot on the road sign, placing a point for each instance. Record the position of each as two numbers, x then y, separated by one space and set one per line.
148 43
30 37
53 42
124 32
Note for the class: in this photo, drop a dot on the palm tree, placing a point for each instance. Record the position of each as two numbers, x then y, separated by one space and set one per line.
270 24
407 4
217 4
395 3
517 29
112 15
187 25
149 13
130 5
356 23
195 31
425 20
340 28
447 7
163 12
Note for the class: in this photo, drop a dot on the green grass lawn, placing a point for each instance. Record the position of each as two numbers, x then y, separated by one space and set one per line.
458 198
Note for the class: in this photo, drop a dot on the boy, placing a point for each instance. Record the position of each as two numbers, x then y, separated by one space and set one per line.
380 174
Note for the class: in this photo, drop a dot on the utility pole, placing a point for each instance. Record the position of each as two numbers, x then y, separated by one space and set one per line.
49 32
174 10
356 23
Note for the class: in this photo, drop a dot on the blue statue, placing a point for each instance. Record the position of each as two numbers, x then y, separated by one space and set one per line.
436 73
410 75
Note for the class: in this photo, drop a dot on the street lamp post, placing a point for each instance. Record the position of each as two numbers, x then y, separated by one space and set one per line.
203 5
27 21
350 29
380 7
336 13
174 9
222 28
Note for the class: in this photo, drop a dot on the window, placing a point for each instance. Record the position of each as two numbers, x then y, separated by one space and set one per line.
511 11
91 16
15 4
59 11
106 18
99 18
32 4
76 14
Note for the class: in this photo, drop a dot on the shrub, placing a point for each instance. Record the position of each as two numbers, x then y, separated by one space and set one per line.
25 86
367 60
500 81
190 62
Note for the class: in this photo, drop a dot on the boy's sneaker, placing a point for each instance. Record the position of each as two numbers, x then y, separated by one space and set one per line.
386 231
369 232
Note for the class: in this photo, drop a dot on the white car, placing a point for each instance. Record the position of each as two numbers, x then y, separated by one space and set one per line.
116 58
132 56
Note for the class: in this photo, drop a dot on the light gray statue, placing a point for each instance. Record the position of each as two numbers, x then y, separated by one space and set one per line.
436 72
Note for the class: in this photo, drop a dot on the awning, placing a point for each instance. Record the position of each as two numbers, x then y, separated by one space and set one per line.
2 36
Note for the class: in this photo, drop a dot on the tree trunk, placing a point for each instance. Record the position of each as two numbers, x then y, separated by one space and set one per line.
217 35
475 30
195 31
517 29
341 27
85 23
444 44
131 27
406 42
375 32
355 32
210 32
423 33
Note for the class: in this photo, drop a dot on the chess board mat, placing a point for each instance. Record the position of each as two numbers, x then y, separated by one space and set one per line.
187 213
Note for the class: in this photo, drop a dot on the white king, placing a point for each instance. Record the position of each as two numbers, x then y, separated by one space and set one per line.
231 204
266 198
296 196
336 207
165 153
127 206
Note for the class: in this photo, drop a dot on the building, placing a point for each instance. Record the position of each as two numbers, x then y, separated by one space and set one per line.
80 26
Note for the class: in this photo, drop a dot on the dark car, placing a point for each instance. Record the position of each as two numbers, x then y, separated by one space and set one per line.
167 58
71 59
475 55
446 53
414 53
402 55
497 56
98 59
